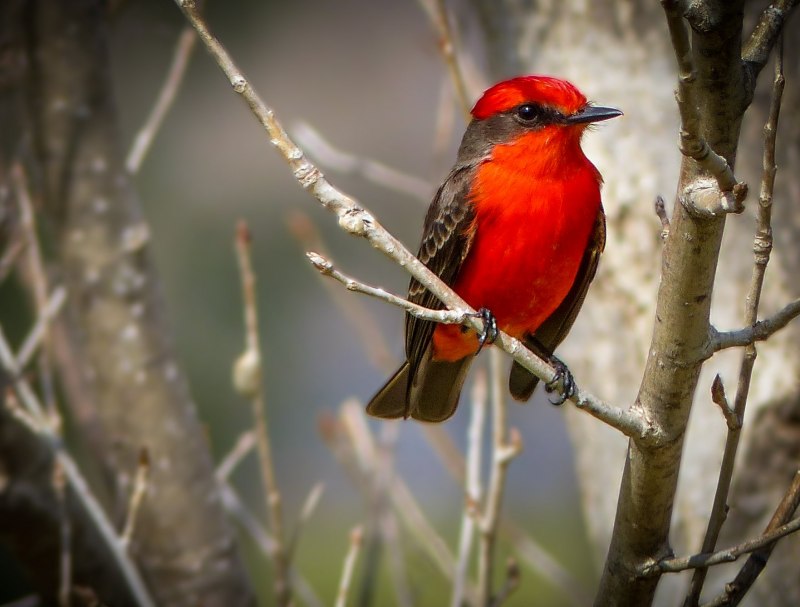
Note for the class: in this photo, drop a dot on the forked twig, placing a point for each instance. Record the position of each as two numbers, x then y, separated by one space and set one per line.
762 247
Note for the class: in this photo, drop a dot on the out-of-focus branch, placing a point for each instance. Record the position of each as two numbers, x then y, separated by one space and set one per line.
115 354
473 486
349 164
172 84
34 417
248 380
506 445
762 247
356 536
360 319
359 222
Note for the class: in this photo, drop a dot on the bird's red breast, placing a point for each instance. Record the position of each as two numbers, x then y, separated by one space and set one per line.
535 199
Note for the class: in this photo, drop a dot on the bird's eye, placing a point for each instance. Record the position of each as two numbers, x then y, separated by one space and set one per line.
528 112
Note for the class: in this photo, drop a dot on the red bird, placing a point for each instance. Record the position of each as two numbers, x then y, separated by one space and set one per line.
516 230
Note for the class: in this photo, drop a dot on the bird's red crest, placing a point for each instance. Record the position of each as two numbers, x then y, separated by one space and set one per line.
546 90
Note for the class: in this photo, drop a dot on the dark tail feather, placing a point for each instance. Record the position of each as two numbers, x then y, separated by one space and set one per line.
391 401
521 382
432 397
434 394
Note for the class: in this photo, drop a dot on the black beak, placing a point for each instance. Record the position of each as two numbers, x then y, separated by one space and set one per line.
592 113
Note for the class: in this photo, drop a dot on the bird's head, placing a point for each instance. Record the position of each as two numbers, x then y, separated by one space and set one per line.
537 101
536 110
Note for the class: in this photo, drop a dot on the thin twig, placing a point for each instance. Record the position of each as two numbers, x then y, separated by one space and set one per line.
306 512
357 221
248 376
65 539
736 590
436 10
356 313
169 91
240 450
326 268
762 247
473 486
760 331
137 496
710 559
263 540
349 566
39 285
36 335
10 255
513 577
350 164
506 445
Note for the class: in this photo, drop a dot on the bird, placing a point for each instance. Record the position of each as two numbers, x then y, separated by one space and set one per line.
516 230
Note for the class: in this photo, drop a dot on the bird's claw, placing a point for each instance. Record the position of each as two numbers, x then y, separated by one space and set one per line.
488 333
564 378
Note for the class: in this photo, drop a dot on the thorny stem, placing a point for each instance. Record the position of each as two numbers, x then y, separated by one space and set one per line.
762 246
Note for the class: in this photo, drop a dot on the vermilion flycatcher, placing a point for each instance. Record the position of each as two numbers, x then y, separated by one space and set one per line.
516 230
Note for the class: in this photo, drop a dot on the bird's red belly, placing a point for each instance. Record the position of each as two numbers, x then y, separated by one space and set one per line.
523 261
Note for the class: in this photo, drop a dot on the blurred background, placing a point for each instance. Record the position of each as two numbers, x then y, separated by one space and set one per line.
369 77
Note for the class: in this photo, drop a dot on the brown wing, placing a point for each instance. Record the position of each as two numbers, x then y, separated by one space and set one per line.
552 331
422 388
446 240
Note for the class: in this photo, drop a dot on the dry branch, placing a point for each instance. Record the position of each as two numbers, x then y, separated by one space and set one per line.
359 222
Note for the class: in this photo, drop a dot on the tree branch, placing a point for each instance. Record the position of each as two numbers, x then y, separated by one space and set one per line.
759 45
762 247
359 222
735 590
760 331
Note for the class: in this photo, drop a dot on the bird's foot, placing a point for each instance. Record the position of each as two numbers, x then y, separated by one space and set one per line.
564 379
488 334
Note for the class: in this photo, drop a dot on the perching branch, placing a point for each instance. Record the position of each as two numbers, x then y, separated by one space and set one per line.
359 222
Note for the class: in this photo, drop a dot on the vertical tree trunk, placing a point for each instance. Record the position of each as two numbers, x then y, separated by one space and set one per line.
620 54
119 366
